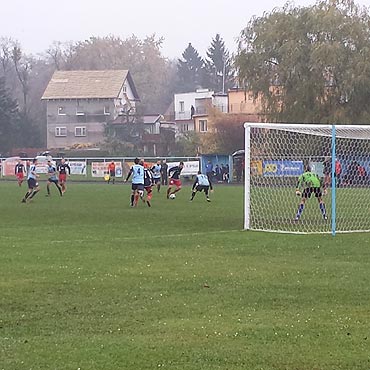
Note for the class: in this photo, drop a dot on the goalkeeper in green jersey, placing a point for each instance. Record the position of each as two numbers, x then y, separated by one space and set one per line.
309 183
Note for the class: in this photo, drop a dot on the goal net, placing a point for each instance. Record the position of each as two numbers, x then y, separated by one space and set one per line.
307 178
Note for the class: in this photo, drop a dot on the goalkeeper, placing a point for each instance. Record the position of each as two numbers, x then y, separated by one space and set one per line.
310 184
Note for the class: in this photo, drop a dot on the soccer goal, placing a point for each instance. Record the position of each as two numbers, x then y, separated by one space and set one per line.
278 155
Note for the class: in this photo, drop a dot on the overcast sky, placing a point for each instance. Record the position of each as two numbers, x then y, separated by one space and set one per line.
37 23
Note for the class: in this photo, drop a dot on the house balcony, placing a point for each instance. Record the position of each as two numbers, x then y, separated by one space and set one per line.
73 118
198 111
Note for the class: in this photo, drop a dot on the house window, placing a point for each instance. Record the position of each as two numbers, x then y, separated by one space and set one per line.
80 131
60 131
62 111
203 125
106 110
80 111
185 127
182 106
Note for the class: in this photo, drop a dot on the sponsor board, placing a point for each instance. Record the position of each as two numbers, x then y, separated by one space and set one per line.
282 168
100 169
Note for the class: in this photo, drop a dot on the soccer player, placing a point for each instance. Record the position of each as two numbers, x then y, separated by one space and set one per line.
33 186
201 183
175 173
148 185
137 186
310 183
62 169
52 179
112 172
19 172
156 169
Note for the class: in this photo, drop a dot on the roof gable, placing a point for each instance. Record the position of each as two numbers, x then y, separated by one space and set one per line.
87 84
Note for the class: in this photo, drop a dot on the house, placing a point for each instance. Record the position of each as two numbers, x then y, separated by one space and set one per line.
81 103
243 101
191 111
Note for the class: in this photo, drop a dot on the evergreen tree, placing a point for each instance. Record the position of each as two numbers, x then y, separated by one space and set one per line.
8 118
191 70
218 66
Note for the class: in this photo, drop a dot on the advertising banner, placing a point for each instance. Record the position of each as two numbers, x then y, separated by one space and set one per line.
8 166
191 168
100 169
283 168
77 167
256 168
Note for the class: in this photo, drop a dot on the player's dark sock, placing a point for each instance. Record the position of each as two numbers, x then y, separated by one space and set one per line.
26 196
132 200
323 210
159 188
60 191
192 195
34 193
299 212
48 189
148 203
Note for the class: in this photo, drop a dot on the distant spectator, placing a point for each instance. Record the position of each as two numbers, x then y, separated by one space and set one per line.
218 173
239 170
223 171
327 173
164 172
226 174
209 170
338 172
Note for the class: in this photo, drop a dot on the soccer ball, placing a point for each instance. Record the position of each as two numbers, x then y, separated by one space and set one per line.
172 196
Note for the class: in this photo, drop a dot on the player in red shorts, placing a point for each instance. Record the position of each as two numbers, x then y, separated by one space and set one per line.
19 172
174 174
63 168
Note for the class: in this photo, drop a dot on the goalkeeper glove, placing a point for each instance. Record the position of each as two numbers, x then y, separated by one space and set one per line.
298 193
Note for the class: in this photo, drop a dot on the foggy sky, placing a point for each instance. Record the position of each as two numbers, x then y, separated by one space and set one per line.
37 23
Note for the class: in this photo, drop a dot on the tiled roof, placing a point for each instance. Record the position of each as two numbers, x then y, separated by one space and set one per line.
86 84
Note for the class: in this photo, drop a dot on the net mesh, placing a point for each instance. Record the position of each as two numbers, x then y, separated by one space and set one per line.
279 155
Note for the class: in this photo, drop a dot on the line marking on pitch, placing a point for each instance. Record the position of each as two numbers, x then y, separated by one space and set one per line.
146 237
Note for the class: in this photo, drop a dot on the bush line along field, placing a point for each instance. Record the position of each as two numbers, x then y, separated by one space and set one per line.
89 283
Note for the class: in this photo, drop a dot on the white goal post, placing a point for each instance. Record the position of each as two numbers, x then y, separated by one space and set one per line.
307 178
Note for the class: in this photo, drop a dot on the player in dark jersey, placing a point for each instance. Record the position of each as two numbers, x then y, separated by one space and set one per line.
62 169
148 185
174 173
19 172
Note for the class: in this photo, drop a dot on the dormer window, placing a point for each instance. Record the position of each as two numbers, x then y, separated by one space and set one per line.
106 110
61 111
80 111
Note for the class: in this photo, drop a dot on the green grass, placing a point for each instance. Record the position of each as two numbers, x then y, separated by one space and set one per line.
275 207
87 282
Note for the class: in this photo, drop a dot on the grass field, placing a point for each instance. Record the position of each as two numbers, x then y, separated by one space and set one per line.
89 283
